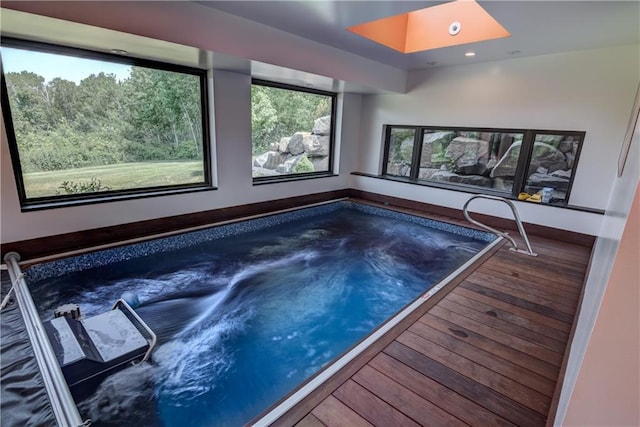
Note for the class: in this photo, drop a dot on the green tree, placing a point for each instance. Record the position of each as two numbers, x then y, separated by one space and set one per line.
29 101
264 119
278 113
165 111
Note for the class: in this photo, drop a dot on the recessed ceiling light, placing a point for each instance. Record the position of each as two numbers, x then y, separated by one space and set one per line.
119 51
470 54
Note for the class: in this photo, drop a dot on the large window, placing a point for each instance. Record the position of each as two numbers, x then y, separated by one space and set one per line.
86 126
499 161
291 131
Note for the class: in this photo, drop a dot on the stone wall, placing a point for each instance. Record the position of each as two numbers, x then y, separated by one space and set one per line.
302 152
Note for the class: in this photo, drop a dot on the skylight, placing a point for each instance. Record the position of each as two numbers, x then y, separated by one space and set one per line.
449 24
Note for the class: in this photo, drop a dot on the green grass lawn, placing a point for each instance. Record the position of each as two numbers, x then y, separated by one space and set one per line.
122 176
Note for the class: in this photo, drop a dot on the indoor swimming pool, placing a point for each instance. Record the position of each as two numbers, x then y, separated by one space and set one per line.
248 311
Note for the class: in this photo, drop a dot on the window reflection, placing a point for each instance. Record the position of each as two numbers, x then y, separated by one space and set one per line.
401 142
551 166
481 159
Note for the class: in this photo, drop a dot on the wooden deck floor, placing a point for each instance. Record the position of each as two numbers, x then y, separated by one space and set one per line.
489 353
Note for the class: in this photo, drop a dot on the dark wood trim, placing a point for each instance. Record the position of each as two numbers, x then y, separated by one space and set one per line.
60 243
52 245
499 223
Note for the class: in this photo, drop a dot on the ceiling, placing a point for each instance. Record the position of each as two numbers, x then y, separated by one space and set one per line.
537 27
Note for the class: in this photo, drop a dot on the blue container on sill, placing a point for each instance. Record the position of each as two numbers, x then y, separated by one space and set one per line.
547 193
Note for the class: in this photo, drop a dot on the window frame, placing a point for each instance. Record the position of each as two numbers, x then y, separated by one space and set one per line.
66 200
522 168
305 175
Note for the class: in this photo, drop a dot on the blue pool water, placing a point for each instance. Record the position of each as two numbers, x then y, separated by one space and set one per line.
244 319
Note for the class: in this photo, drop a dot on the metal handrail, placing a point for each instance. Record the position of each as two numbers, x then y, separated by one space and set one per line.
62 403
516 217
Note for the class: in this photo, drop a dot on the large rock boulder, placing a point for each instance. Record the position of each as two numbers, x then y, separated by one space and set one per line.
258 172
566 145
289 164
320 164
539 180
477 180
447 176
548 157
406 149
398 169
316 146
507 164
442 175
433 148
549 139
469 155
269 160
322 126
283 145
427 173
544 156
296 143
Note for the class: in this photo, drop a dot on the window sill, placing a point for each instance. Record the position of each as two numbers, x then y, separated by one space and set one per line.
289 178
41 204
475 190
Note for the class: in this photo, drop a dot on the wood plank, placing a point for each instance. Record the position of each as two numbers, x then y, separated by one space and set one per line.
519 302
482 395
499 324
550 286
488 347
517 357
310 421
452 402
539 272
404 400
492 310
469 368
371 407
545 290
499 336
546 321
490 361
331 412
571 256
534 296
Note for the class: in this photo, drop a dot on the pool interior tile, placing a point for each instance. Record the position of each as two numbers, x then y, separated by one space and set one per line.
109 256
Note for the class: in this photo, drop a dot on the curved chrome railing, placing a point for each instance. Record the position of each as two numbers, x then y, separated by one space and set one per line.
516 217
62 403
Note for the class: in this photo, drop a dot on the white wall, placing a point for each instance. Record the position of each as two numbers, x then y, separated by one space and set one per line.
607 390
589 90
233 147
606 336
